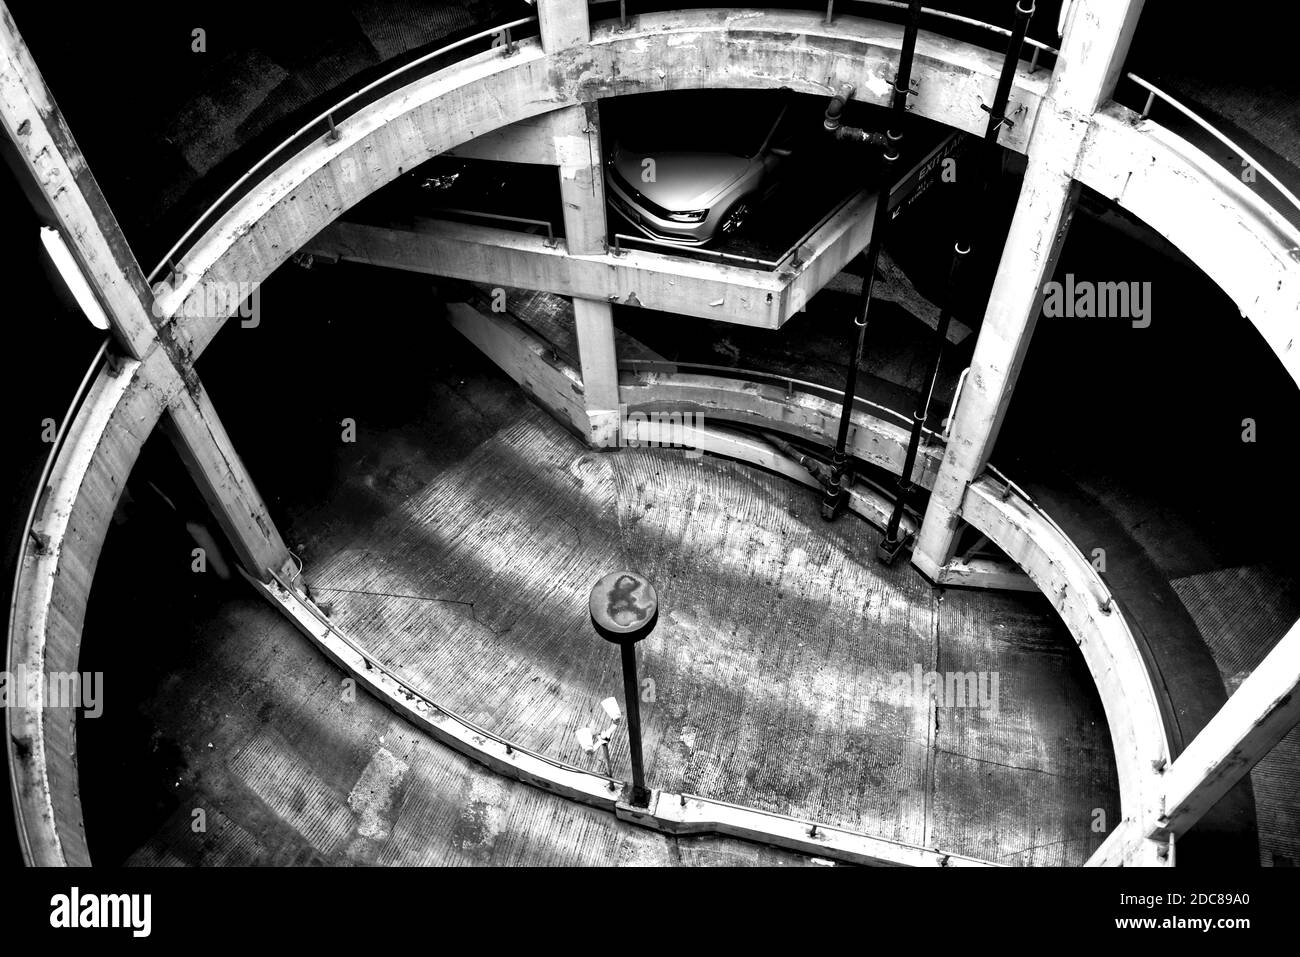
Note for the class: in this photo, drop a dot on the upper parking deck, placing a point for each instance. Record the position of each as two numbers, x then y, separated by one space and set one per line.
192 125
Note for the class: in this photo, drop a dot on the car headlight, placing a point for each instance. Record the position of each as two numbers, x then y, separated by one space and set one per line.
690 216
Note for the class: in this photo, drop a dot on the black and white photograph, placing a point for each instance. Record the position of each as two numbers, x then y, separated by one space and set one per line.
643 440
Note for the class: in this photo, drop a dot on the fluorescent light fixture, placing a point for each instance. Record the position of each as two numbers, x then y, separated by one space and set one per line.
63 260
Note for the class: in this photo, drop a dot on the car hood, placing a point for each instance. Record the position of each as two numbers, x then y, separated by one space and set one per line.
682 180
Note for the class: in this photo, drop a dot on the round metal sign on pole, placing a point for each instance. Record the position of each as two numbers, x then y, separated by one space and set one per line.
624 609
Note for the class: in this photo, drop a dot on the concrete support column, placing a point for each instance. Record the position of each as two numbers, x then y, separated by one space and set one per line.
1093 49
210 457
1029 258
576 135
596 355
69 200
564 23
1259 714
65 194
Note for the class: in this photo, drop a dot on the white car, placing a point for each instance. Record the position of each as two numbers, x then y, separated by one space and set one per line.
692 196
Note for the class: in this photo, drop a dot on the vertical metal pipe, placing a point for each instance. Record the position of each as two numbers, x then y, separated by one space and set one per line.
609 763
974 215
997 111
890 152
632 700
889 547
834 494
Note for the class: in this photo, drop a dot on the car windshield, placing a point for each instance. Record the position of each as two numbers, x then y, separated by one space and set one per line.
731 122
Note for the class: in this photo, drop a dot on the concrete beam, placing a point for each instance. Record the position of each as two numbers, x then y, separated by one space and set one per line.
50 156
651 280
987 573
1093 50
500 257
223 480
1125 847
527 360
1262 711
1037 232
1264 708
73 202
594 321
576 135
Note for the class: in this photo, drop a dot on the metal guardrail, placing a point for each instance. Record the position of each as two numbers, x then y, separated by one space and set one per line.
681 249
499 217
1154 94
501 36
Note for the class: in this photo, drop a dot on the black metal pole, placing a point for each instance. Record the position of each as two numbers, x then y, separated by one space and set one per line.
973 215
889 547
890 152
632 700
998 111
624 608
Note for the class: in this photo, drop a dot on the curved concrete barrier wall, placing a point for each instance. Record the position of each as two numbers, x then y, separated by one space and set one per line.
50 605
1067 578
715 397
1250 251
665 811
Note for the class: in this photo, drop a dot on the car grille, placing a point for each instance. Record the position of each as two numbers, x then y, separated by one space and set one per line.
654 209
